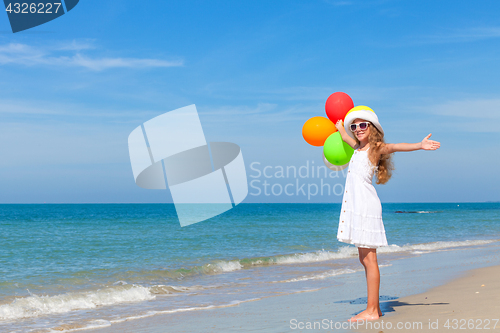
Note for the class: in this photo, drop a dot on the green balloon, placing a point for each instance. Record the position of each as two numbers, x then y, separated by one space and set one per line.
336 150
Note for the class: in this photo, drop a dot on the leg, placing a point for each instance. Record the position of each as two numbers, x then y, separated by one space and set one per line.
368 258
361 259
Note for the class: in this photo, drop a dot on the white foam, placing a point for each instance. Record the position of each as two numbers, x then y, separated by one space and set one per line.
321 276
120 283
230 304
104 323
350 251
172 290
322 255
195 308
98 323
34 305
342 253
429 247
227 266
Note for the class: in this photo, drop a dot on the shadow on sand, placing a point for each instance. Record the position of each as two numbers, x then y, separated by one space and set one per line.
387 303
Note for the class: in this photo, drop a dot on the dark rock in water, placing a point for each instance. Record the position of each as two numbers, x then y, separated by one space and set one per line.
416 212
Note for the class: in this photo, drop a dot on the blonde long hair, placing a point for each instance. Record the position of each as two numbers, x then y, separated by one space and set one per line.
385 165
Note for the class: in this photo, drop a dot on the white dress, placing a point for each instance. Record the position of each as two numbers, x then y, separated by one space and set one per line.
361 213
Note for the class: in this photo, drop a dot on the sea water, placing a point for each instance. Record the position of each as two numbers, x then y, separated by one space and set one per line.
74 266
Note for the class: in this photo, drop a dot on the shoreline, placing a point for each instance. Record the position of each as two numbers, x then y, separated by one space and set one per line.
327 307
469 302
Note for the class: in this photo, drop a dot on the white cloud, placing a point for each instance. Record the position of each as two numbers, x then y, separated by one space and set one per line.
25 108
473 115
261 108
22 54
461 35
105 63
262 113
485 109
35 111
77 45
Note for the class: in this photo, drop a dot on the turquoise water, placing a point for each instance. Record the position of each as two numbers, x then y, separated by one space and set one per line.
73 266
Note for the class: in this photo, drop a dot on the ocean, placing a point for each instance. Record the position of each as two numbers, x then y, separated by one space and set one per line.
76 266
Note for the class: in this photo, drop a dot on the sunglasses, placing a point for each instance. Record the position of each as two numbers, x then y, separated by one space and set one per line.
362 126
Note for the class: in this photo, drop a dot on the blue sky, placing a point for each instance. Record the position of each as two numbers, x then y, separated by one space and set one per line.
73 89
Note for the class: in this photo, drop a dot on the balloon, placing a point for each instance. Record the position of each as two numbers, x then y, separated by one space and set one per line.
337 105
334 167
336 150
317 129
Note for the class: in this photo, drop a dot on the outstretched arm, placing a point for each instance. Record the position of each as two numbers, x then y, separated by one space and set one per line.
426 144
340 127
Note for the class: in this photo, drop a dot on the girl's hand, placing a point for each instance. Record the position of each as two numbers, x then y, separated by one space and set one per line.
429 144
339 125
345 137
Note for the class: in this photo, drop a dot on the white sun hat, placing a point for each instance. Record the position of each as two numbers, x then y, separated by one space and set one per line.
361 112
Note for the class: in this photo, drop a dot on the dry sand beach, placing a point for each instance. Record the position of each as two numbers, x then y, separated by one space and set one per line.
468 303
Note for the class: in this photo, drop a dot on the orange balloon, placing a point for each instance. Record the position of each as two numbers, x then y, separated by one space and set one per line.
317 129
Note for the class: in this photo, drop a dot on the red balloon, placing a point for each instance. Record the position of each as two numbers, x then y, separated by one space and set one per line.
337 105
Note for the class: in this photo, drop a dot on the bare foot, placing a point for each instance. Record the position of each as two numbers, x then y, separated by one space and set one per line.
365 315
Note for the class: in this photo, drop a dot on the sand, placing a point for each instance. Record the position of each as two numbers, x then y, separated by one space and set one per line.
468 303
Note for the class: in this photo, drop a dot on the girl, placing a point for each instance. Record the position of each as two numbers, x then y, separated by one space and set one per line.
361 213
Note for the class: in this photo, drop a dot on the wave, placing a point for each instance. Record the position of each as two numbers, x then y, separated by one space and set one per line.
324 275
321 276
100 323
227 266
343 252
105 323
434 246
351 251
322 255
34 305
